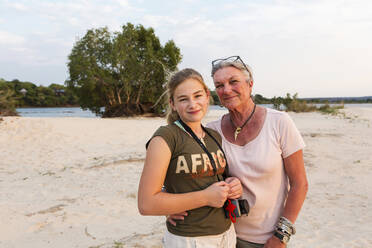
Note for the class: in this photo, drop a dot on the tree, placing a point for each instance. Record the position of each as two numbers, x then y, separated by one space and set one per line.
277 102
259 99
215 99
26 94
124 72
7 101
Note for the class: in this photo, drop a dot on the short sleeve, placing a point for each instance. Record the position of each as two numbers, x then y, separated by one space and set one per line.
290 138
167 134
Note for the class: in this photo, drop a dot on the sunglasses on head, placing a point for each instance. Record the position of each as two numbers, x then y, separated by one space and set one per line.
229 59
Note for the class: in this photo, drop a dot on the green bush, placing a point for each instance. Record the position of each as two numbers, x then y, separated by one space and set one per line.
292 103
327 109
7 102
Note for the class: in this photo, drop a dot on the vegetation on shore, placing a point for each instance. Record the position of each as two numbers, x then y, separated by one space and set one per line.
294 104
124 72
7 103
11 97
15 94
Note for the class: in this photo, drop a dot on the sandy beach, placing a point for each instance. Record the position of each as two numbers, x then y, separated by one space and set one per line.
72 182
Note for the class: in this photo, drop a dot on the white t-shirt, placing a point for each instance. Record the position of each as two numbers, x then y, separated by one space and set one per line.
259 166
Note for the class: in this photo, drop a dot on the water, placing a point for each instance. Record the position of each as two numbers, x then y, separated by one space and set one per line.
217 107
56 112
357 105
78 112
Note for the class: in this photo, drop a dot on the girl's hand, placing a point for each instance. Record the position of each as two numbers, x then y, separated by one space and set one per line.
216 194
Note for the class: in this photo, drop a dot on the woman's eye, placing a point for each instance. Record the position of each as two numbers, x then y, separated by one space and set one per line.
218 86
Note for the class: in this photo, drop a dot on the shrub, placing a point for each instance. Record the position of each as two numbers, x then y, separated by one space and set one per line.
7 103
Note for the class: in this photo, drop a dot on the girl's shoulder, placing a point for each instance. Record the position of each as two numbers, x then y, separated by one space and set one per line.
168 132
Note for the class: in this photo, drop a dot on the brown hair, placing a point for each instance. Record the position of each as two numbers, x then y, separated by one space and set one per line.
175 80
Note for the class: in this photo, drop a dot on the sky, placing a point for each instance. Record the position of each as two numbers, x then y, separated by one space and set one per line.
316 48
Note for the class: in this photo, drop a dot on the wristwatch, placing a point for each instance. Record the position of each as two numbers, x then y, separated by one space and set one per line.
283 238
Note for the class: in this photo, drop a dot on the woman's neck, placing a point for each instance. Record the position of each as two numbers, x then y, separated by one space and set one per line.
240 114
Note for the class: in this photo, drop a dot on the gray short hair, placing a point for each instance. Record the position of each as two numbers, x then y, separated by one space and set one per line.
245 69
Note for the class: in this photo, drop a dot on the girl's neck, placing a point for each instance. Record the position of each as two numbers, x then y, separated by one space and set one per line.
196 127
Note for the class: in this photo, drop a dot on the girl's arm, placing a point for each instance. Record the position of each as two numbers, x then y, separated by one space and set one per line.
152 201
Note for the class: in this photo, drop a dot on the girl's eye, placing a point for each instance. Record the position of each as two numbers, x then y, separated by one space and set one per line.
182 100
198 95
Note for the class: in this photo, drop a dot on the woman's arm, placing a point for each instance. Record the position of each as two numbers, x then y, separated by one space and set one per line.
295 169
152 201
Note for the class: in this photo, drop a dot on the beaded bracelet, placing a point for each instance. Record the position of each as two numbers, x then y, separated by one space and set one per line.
284 230
287 224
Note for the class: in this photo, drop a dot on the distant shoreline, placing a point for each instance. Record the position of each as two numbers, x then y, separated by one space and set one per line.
78 112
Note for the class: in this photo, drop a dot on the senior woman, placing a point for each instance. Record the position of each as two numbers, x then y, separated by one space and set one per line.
264 150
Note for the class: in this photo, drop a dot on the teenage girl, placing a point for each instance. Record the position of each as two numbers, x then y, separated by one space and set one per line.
178 159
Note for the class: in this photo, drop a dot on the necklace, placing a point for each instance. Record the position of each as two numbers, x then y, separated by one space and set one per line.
201 138
239 129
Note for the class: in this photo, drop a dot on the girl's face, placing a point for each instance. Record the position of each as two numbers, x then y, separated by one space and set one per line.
190 100
232 87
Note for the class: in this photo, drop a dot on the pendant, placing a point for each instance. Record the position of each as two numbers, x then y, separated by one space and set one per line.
237 131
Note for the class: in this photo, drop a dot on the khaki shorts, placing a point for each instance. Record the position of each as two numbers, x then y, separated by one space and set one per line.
224 240
246 244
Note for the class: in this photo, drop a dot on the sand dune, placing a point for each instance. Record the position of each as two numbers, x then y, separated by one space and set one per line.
72 182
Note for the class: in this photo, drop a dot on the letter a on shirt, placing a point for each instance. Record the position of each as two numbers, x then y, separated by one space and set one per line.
182 165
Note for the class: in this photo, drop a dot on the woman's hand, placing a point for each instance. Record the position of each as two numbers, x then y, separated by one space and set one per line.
173 217
216 194
274 242
236 188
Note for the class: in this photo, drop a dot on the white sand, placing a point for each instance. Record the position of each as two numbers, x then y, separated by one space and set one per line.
72 182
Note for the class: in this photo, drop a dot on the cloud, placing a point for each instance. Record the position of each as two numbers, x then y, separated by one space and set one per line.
156 21
7 38
122 3
18 6
291 44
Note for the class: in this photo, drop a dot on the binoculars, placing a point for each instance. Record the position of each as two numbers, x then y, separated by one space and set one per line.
235 208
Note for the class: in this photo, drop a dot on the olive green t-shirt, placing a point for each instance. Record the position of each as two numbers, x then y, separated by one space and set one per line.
190 170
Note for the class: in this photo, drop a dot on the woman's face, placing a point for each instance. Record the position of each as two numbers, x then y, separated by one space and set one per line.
190 100
232 87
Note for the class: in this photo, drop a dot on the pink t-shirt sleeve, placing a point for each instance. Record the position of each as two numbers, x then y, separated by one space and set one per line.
289 137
